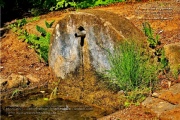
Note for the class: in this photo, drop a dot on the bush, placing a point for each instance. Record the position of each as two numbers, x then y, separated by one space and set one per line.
130 69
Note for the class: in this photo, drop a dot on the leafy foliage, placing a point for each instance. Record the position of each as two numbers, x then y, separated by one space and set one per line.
154 41
41 30
21 22
49 25
39 43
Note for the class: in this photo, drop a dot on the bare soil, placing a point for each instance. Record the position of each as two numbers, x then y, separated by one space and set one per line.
17 57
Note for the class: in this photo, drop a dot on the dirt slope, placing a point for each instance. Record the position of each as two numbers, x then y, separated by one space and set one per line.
16 57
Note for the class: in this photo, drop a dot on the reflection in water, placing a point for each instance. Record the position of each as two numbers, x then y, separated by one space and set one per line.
44 109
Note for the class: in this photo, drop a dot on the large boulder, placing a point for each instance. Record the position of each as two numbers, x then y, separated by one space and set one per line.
81 40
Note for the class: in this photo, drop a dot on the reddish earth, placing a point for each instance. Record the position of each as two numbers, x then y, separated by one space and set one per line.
16 57
131 113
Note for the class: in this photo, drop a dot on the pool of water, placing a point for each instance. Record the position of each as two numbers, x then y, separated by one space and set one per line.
41 108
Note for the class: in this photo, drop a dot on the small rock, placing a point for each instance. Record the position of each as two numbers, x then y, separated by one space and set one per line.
121 92
1 68
42 92
38 68
21 73
155 94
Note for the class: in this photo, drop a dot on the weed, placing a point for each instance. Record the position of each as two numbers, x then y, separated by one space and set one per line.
55 90
132 71
129 70
15 92
39 43
153 41
163 60
49 25
175 73
20 23
136 96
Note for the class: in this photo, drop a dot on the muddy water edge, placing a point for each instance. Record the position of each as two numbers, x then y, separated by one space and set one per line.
38 106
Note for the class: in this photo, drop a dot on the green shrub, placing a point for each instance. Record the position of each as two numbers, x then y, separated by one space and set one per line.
130 69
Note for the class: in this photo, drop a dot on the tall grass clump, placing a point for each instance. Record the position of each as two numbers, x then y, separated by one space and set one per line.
131 69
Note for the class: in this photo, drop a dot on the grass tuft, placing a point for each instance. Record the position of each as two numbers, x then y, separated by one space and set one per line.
131 69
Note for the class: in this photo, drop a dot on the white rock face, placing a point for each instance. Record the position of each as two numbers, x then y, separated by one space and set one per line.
67 55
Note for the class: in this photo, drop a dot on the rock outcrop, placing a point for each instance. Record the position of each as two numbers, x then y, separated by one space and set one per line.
165 103
80 42
172 52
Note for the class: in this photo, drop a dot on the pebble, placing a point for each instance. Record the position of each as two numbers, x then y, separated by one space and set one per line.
155 94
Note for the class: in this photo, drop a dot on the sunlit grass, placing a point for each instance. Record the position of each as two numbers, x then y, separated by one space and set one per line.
131 69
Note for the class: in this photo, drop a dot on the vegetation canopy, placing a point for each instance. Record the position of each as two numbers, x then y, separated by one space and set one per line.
18 8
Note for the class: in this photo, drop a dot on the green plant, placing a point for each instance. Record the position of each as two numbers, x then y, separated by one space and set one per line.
64 4
21 22
153 41
55 90
133 71
175 73
15 92
163 60
129 69
2 3
53 93
136 96
39 43
18 24
49 25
